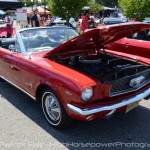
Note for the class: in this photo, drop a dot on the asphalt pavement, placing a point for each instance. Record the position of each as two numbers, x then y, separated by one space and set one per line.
23 126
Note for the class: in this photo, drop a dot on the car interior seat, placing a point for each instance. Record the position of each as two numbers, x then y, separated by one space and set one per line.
6 42
142 35
134 36
32 43
9 35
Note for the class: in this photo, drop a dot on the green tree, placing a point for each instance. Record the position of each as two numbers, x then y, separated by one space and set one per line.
95 7
32 2
66 8
27 3
138 9
44 2
108 3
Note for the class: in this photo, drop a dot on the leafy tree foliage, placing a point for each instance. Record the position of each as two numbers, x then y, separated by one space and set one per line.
138 9
66 8
44 2
95 7
108 3
32 2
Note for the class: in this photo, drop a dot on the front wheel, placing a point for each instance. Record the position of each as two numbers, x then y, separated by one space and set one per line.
54 111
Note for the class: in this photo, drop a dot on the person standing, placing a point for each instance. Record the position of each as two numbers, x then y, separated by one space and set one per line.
28 19
72 23
42 21
92 23
48 20
35 18
7 18
85 21
101 22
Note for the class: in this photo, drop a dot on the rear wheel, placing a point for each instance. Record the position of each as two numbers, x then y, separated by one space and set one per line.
54 111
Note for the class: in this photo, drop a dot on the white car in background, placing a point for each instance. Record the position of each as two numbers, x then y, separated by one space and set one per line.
113 20
59 21
1 21
97 20
146 20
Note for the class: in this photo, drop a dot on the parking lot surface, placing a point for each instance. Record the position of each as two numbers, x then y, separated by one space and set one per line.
23 126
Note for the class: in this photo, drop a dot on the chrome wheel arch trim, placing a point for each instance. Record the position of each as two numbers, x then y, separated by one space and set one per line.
19 88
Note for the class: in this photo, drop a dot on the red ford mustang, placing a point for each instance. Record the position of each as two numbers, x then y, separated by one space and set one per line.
136 44
77 77
7 32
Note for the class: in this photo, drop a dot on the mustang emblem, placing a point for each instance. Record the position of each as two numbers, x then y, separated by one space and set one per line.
136 81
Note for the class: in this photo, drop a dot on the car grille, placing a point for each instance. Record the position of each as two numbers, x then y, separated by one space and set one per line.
122 85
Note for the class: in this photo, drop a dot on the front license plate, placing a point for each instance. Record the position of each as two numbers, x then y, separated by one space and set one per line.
131 106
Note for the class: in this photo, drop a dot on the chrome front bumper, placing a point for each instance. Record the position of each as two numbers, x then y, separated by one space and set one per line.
125 102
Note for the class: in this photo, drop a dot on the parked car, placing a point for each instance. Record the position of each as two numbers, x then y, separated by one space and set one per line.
75 76
146 20
2 13
7 32
97 20
133 44
59 21
1 21
7 36
113 20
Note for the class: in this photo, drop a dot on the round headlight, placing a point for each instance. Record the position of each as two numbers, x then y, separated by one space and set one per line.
87 94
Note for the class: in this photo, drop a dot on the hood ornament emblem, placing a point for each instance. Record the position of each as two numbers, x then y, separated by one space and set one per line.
136 81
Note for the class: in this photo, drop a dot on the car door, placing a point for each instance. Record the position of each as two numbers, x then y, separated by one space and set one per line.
5 63
29 77
9 68
14 69
9 60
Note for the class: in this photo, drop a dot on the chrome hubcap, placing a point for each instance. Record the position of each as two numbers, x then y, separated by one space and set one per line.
52 107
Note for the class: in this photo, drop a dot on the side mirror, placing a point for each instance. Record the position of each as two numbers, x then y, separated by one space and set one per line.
12 47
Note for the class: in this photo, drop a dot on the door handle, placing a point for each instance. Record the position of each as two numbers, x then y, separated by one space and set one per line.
11 66
14 68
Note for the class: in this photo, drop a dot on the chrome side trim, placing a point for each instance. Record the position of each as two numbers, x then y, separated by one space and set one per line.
125 102
19 88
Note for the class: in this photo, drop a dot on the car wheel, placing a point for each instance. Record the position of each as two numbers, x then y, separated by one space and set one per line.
54 111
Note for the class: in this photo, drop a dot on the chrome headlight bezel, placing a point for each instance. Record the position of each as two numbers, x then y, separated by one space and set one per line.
87 94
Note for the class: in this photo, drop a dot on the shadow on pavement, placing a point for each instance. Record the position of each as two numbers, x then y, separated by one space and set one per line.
121 129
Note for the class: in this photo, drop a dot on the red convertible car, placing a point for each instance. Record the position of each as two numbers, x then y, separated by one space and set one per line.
134 44
7 35
7 32
76 76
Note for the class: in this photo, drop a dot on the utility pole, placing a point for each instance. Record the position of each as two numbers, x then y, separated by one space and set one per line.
44 9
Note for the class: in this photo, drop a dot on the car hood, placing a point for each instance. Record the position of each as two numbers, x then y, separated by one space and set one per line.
97 38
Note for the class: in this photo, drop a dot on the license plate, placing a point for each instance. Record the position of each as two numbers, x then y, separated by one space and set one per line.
131 106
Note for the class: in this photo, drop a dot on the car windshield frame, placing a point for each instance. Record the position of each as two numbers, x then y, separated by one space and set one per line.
45 39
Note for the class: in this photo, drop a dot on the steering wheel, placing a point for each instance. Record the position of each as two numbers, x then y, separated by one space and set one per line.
46 44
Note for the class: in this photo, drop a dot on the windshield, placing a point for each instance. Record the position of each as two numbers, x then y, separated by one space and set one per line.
45 39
